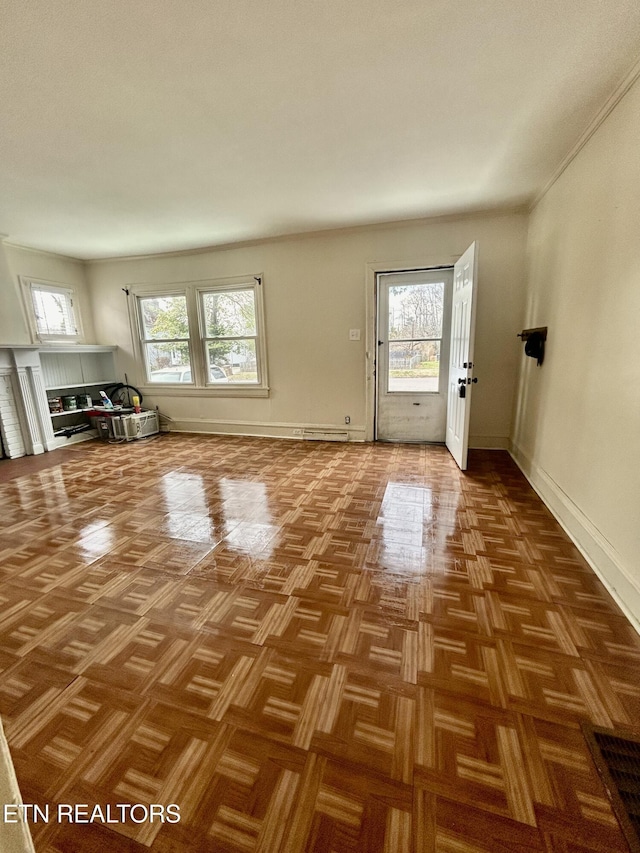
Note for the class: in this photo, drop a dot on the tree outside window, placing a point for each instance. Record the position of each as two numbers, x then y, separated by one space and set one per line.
165 338
230 334
415 334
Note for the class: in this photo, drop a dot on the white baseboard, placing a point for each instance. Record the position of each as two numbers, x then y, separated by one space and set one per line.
594 547
272 429
260 429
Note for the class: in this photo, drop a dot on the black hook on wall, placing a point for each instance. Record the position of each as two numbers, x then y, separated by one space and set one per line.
534 342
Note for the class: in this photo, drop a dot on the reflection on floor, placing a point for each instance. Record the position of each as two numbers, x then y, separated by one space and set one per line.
307 647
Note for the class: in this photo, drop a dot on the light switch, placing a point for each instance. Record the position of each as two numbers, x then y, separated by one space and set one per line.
354 334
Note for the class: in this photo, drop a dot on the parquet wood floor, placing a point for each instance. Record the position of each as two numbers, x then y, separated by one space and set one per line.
307 647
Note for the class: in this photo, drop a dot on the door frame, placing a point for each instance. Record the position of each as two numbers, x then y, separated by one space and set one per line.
371 306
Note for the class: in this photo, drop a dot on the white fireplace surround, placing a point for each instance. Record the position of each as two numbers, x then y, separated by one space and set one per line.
25 422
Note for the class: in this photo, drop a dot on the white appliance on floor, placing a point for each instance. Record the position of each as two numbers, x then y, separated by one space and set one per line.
135 426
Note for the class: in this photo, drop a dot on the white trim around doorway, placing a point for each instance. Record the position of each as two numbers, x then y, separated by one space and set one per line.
371 271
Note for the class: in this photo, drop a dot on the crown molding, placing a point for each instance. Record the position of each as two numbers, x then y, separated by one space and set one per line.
600 117
45 252
506 210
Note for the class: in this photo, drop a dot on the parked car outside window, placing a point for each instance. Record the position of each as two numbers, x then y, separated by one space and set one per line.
183 374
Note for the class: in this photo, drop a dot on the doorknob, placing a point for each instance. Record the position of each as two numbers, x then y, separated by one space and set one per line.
462 381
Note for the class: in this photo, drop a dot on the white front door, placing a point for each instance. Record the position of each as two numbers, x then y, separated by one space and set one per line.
413 322
461 379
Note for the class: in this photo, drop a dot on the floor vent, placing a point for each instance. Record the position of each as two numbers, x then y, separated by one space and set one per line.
324 435
618 761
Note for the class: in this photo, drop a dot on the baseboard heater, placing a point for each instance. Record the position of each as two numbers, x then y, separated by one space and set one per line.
324 435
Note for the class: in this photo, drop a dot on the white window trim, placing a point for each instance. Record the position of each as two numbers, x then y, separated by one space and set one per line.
27 287
200 386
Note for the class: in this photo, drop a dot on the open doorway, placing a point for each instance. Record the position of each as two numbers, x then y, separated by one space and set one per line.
413 323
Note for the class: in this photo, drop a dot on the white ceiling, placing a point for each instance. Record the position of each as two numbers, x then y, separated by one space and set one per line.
156 125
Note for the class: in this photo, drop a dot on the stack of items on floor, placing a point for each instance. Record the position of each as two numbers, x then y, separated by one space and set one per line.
123 423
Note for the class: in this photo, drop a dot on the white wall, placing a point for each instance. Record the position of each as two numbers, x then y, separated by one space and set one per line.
17 261
13 325
577 427
314 293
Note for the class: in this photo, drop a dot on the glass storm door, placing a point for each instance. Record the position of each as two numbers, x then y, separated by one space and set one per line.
413 326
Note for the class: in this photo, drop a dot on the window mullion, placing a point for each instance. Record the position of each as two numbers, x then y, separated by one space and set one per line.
196 355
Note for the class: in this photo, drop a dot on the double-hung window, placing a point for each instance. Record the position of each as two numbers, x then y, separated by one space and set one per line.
165 338
230 334
207 336
52 311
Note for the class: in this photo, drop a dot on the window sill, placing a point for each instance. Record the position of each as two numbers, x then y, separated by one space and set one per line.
72 346
168 390
69 340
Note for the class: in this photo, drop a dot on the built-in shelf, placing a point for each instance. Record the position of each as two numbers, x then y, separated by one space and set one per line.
72 370
70 412
80 385
62 441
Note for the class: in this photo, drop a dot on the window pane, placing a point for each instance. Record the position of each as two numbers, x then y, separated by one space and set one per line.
415 310
53 312
229 314
414 366
235 359
164 317
169 362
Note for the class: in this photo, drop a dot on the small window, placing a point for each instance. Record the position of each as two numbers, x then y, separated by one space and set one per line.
164 322
53 312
